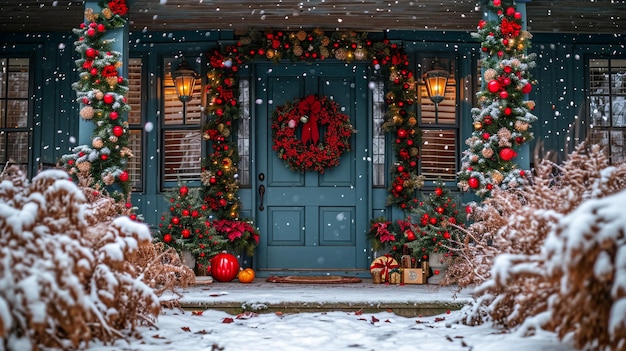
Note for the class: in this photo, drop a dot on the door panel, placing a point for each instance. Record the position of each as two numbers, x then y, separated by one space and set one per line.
312 222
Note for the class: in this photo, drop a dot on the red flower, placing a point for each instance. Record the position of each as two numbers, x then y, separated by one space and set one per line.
118 7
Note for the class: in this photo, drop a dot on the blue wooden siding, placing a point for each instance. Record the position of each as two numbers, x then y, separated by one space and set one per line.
560 93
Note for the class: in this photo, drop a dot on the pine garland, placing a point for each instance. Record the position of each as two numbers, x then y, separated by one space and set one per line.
503 119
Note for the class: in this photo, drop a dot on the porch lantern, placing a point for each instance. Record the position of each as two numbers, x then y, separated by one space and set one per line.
436 80
184 78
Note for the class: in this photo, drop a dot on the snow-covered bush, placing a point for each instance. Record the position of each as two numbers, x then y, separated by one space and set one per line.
66 274
553 254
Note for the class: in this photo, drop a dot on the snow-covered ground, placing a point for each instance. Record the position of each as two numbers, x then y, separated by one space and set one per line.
202 329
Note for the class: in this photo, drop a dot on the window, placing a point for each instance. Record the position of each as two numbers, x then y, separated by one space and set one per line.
440 127
135 122
378 134
181 128
607 106
14 111
243 133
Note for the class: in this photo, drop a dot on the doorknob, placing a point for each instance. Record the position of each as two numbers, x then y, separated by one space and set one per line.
261 194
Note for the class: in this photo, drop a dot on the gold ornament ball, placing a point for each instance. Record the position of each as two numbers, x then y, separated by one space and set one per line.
478 125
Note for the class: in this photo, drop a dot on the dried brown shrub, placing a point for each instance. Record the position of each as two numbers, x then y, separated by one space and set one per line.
547 256
72 270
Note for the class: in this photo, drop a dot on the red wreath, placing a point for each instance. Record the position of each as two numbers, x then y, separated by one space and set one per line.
310 134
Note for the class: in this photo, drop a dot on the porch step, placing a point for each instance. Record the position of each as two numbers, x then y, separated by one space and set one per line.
264 297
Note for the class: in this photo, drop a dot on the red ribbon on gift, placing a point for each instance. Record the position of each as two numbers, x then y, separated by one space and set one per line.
310 107
386 263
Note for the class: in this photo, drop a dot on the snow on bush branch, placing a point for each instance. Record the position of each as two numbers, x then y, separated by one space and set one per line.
552 255
65 279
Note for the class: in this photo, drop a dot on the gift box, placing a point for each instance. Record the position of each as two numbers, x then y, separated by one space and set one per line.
383 265
395 277
413 276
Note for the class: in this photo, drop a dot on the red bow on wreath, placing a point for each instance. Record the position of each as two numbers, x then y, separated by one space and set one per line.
310 107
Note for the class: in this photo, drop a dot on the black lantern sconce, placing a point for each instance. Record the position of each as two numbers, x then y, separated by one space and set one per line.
184 78
436 79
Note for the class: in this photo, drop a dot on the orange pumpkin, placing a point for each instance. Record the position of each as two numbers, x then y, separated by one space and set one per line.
246 275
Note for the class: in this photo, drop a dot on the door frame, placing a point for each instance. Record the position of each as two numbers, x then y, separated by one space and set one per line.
254 197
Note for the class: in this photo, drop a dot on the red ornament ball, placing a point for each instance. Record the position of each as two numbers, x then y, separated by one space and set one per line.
114 115
508 111
223 202
410 236
504 94
104 157
527 88
91 52
167 238
175 220
124 176
186 212
493 86
183 191
402 133
497 3
118 131
186 233
473 182
486 135
398 188
108 99
507 154
438 191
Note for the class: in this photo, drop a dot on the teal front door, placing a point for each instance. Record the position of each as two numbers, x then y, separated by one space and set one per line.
311 222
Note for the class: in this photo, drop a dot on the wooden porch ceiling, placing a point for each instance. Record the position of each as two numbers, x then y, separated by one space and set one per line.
572 16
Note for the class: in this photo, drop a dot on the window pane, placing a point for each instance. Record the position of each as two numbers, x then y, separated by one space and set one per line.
17 114
18 78
134 91
243 133
618 149
3 77
378 134
599 110
619 111
18 147
135 163
182 155
438 154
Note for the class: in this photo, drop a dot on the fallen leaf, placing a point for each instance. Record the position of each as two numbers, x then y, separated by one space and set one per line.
359 312
439 319
246 315
387 321
187 329
279 313
196 313
157 336
202 332
227 320
374 319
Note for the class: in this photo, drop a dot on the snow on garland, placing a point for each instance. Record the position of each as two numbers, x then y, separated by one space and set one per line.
325 133
101 91
502 122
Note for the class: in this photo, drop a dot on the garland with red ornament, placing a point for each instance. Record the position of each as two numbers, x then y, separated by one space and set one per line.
503 120
325 133
220 186
101 91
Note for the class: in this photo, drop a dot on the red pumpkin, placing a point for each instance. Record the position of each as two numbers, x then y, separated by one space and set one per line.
224 267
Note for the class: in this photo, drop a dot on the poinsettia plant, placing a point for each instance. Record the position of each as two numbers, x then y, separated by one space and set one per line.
434 225
242 236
